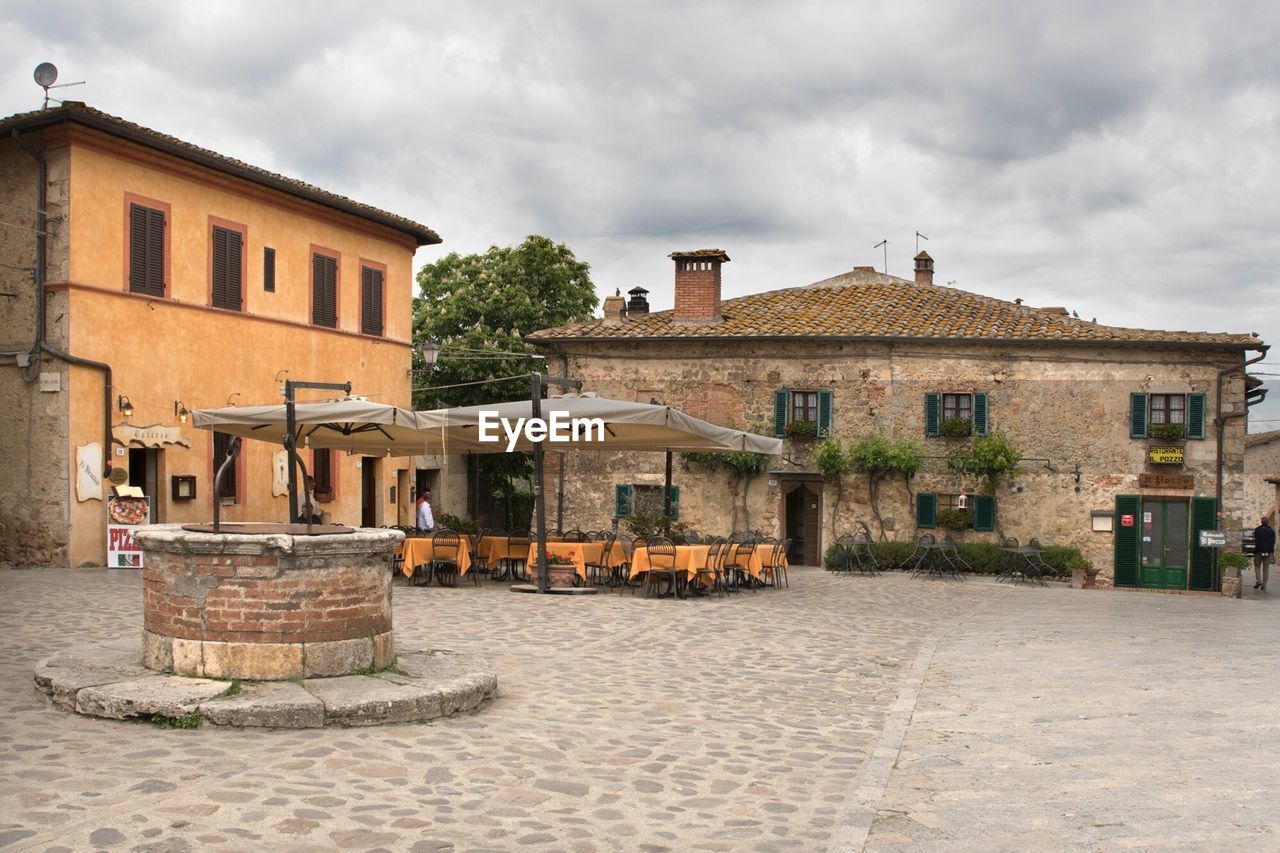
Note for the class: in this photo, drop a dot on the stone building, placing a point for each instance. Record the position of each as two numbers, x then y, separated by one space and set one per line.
144 277
864 353
1262 470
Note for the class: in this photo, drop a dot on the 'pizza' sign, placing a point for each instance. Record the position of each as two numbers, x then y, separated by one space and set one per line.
1126 521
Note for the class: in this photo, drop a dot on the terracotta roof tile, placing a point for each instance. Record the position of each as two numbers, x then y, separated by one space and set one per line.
1261 438
74 111
866 304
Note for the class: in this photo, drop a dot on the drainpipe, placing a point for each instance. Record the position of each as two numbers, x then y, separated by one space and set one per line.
40 346
1220 419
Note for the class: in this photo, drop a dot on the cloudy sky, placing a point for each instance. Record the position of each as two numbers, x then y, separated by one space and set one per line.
1122 159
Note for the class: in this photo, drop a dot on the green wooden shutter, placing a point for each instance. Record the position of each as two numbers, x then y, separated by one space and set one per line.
1195 416
675 503
984 512
932 413
926 510
824 414
1204 561
980 414
622 500
780 400
1137 416
1128 544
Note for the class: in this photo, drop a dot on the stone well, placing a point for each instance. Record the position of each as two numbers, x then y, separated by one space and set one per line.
266 606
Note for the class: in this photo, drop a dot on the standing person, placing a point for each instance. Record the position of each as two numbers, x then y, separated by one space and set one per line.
1264 548
310 509
426 521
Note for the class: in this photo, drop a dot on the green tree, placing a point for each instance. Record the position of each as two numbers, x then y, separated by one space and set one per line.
476 309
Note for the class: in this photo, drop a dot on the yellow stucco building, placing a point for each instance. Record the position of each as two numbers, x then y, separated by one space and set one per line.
144 277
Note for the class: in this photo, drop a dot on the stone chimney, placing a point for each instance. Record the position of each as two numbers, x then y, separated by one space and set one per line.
924 268
615 307
639 303
698 285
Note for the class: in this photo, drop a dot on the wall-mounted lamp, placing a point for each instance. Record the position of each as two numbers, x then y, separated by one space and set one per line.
125 406
963 503
1076 474
180 410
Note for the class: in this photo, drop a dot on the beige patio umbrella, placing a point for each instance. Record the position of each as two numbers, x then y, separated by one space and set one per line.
625 426
353 424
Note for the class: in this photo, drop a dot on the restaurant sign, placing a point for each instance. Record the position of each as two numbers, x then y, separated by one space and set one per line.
1166 481
1166 455
149 436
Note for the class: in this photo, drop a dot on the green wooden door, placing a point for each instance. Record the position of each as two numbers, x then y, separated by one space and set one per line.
1164 544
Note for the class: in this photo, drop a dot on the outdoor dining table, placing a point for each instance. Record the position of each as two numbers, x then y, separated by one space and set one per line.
581 553
690 558
417 550
1021 563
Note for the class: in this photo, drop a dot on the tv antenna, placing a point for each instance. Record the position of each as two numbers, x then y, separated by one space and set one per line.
918 238
46 74
885 243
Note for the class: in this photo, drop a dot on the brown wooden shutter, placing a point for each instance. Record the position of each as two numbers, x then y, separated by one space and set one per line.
324 291
219 295
227 285
370 301
269 269
146 250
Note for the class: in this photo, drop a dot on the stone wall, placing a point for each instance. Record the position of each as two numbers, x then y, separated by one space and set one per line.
1260 462
35 476
1062 407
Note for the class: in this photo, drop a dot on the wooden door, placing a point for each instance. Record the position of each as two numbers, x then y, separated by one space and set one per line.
368 492
802 520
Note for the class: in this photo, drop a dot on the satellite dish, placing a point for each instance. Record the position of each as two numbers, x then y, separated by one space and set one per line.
46 74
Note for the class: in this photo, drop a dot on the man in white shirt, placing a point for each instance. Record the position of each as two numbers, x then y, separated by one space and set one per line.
426 521
310 509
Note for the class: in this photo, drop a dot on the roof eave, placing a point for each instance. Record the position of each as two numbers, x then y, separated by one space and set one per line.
900 339
422 235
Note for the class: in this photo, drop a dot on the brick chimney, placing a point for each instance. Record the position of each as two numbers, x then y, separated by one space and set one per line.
615 307
698 285
924 268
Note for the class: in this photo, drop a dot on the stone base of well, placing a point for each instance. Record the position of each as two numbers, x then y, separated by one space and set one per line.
110 681
266 661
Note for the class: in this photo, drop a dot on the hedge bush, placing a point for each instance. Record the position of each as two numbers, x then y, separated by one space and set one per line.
984 557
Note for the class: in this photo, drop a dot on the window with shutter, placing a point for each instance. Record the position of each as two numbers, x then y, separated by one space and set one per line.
984 512
926 510
146 250
622 500
780 401
979 414
371 301
227 269
675 503
824 414
322 473
1195 416
221 442
324 290
269 269
1137 417
932 413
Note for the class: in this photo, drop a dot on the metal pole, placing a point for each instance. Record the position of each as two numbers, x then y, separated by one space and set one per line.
666 499
540 511
290 421
560 490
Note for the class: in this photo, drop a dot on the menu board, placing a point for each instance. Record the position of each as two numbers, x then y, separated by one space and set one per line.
125 515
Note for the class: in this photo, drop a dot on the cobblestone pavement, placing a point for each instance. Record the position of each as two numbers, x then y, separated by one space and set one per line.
844 712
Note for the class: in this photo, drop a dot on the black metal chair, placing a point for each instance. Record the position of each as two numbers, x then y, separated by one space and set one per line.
446 546
518 554
775 565
573 536
736 571
708 578
921 557
949 562
662 564
602 572
479 563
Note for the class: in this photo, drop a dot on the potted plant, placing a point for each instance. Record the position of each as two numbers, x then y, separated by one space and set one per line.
956 427
1167 432
561 571
801 430
1083 574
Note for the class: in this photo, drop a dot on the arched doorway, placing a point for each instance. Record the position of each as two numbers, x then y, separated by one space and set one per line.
802 518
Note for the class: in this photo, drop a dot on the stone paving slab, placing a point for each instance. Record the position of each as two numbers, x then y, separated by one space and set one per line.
66 673
149 696
267 704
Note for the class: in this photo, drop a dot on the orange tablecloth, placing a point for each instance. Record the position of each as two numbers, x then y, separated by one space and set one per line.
690 558
495 548
417 551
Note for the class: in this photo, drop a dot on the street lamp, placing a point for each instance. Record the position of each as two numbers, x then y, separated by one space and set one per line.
430 351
